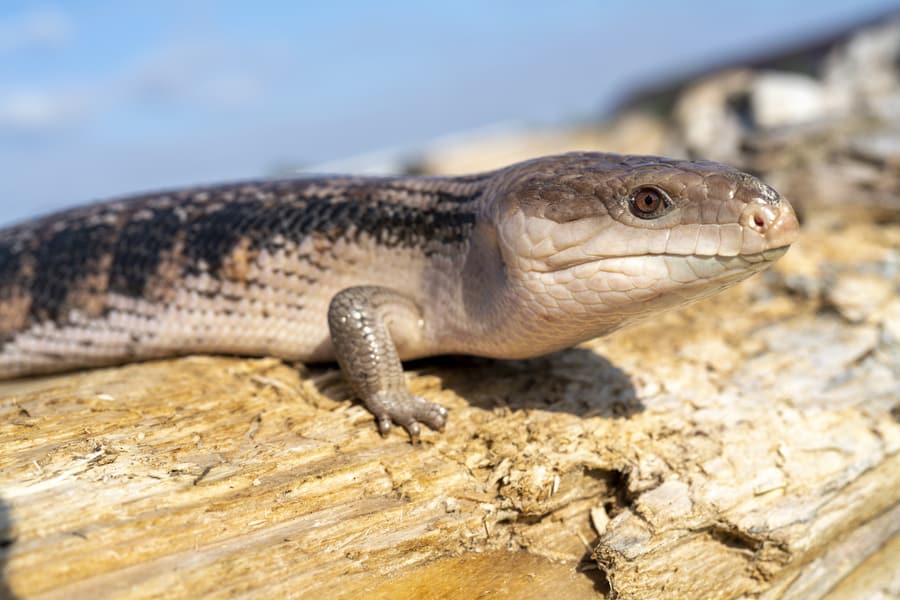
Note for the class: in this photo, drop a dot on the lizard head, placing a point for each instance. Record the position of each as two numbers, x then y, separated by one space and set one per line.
614 238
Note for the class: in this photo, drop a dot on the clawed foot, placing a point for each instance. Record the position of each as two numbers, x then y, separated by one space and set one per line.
406 410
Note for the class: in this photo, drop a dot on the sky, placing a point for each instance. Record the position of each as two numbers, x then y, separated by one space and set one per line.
103 98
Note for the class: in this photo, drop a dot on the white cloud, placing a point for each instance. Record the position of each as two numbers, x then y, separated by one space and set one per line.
206 74
195 75
38 28
25 111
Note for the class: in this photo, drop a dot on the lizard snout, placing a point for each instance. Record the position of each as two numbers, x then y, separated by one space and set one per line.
775 221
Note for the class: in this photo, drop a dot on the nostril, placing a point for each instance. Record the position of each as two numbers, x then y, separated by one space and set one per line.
758 217
759 221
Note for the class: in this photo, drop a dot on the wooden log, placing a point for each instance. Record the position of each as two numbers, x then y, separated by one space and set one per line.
747 446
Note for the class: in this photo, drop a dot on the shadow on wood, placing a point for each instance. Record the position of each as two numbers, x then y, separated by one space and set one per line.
6 541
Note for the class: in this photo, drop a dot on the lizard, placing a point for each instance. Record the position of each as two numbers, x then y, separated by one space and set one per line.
371 271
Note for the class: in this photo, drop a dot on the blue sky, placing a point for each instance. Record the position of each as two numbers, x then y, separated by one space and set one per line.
105 98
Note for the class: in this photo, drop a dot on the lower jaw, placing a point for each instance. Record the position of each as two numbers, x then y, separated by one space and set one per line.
676 279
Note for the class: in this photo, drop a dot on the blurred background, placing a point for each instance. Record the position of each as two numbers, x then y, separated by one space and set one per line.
100 99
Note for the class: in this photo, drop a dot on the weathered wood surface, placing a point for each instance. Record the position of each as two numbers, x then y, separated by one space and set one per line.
746 447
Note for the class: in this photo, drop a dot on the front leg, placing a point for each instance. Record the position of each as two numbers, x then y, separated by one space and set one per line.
359 319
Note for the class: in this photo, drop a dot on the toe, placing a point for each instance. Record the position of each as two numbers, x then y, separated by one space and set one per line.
384 424
413 430
433 415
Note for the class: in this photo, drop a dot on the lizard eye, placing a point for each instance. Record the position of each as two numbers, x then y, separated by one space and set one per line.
649 203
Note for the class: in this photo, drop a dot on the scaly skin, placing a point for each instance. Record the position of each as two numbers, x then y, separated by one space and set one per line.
514 263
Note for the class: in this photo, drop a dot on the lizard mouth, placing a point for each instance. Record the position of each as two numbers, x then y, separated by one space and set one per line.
753 261
769 255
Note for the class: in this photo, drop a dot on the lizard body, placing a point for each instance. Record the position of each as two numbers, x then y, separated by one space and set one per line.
517 262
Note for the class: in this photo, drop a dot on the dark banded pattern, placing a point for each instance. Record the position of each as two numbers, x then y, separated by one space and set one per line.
123 245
